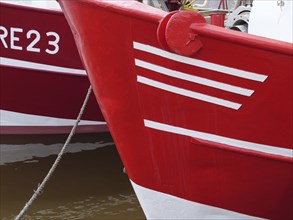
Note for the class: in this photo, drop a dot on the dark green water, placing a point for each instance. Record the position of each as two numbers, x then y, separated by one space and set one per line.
89 183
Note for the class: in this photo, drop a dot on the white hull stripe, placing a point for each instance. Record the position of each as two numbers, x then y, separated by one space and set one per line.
9 118
220 139
44 4
200 63
188 93
158 205
38 66
195 79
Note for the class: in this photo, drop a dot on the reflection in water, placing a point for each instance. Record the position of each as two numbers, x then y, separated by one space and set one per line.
88 183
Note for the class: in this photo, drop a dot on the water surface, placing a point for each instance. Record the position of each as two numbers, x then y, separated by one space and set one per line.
89 183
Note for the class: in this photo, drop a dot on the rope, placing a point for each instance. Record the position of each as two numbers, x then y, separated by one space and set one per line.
51 171
188 5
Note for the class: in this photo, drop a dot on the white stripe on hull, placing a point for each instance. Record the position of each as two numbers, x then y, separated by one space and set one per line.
157 205
200 63
38 66
220 139
9 118
194 79
188 93
44 4
179 73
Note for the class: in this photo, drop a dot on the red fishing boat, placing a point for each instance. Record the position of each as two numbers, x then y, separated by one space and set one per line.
201 114
43 82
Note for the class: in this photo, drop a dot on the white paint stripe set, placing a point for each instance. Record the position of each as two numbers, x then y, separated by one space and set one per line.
195 79
203 97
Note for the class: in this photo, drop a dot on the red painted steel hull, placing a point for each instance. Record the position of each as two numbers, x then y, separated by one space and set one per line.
29 90
184 134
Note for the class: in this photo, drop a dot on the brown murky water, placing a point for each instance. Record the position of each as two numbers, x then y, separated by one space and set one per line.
89 183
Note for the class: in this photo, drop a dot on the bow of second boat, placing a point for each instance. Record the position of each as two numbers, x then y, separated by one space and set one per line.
201 114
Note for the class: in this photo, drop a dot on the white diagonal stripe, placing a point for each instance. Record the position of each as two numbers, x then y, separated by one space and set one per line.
200 63
220 139
188 93
159 205
38 66
10 118
195 79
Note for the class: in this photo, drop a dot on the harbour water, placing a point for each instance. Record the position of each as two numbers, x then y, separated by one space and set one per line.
89 183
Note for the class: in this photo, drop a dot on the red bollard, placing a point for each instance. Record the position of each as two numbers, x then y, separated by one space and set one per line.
218 19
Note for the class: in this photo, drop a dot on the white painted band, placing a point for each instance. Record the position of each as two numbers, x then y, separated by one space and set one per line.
43 4
195 79
158 205
220 139
38 66
9 118
188 93
200 63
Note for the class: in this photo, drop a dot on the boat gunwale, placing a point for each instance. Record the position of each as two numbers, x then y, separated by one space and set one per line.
241 38
156 15
153 15
31 8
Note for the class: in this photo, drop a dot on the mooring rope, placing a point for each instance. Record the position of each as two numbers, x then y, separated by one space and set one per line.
51 171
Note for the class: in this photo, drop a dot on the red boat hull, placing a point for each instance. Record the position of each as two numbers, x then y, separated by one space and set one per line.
212 126
43 82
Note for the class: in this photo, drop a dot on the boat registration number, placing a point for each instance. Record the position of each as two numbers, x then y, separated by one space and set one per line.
11 38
